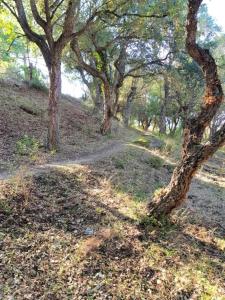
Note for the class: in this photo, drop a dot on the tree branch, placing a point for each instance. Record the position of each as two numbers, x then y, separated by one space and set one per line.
88 68
214 93
36 14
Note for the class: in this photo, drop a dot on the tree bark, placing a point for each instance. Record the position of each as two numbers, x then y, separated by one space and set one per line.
53 112
128 106
175 193
98 97
162 119
194 153
50 47
107 110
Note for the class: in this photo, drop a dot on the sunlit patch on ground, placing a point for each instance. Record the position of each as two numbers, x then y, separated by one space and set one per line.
81 232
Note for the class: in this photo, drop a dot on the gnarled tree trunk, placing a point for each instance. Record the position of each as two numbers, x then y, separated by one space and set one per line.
194 152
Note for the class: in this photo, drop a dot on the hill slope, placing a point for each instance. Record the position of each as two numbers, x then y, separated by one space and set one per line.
23 113
78 228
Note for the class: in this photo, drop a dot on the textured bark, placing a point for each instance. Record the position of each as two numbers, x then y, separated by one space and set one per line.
50 47
98 98
53 112
107 110
162 119
128 106
111 80
194 152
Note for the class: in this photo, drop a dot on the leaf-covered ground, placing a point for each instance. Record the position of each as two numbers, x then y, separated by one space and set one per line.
24 118
81 232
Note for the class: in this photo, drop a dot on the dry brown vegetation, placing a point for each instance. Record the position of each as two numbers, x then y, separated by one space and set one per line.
24 112
81 231
47 252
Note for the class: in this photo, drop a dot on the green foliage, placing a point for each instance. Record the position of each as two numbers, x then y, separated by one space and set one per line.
38 85
27 146
5 206
159 191
119 163
142 141
38 79
98 60
148 221
155 162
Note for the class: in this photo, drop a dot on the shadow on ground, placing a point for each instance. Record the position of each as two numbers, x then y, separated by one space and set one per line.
81 233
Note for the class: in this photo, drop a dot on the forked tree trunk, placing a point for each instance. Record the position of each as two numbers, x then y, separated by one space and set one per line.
53 113
194 152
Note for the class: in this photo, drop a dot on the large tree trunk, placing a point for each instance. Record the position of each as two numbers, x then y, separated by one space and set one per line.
194 153
53 113
174 194
107 110
98 97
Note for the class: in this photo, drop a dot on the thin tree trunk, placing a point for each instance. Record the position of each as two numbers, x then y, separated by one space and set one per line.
53 113
162 120
98 98
194 152
128 106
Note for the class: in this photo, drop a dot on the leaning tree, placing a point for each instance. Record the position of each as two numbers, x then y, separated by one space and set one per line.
194 151
50 25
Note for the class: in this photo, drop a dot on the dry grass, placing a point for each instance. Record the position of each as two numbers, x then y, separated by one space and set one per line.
46 253
79 129
82 232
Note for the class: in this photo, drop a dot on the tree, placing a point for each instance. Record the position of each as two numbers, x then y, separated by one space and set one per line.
194 152
129 101
56 20
100 69
117 47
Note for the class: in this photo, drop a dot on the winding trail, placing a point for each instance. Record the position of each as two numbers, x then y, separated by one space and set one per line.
101 153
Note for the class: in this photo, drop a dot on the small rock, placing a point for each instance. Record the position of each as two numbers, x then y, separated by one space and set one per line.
100 275
156 144
89 231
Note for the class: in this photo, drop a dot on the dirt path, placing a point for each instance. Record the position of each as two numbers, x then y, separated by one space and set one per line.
101 153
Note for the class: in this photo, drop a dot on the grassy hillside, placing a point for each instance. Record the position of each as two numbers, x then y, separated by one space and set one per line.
23 127
81 231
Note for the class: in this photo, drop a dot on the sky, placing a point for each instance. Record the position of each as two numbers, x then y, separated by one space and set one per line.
216 9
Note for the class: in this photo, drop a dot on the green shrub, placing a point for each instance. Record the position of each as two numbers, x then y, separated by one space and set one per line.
144 142
27 146
155 162
38 85
119 163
